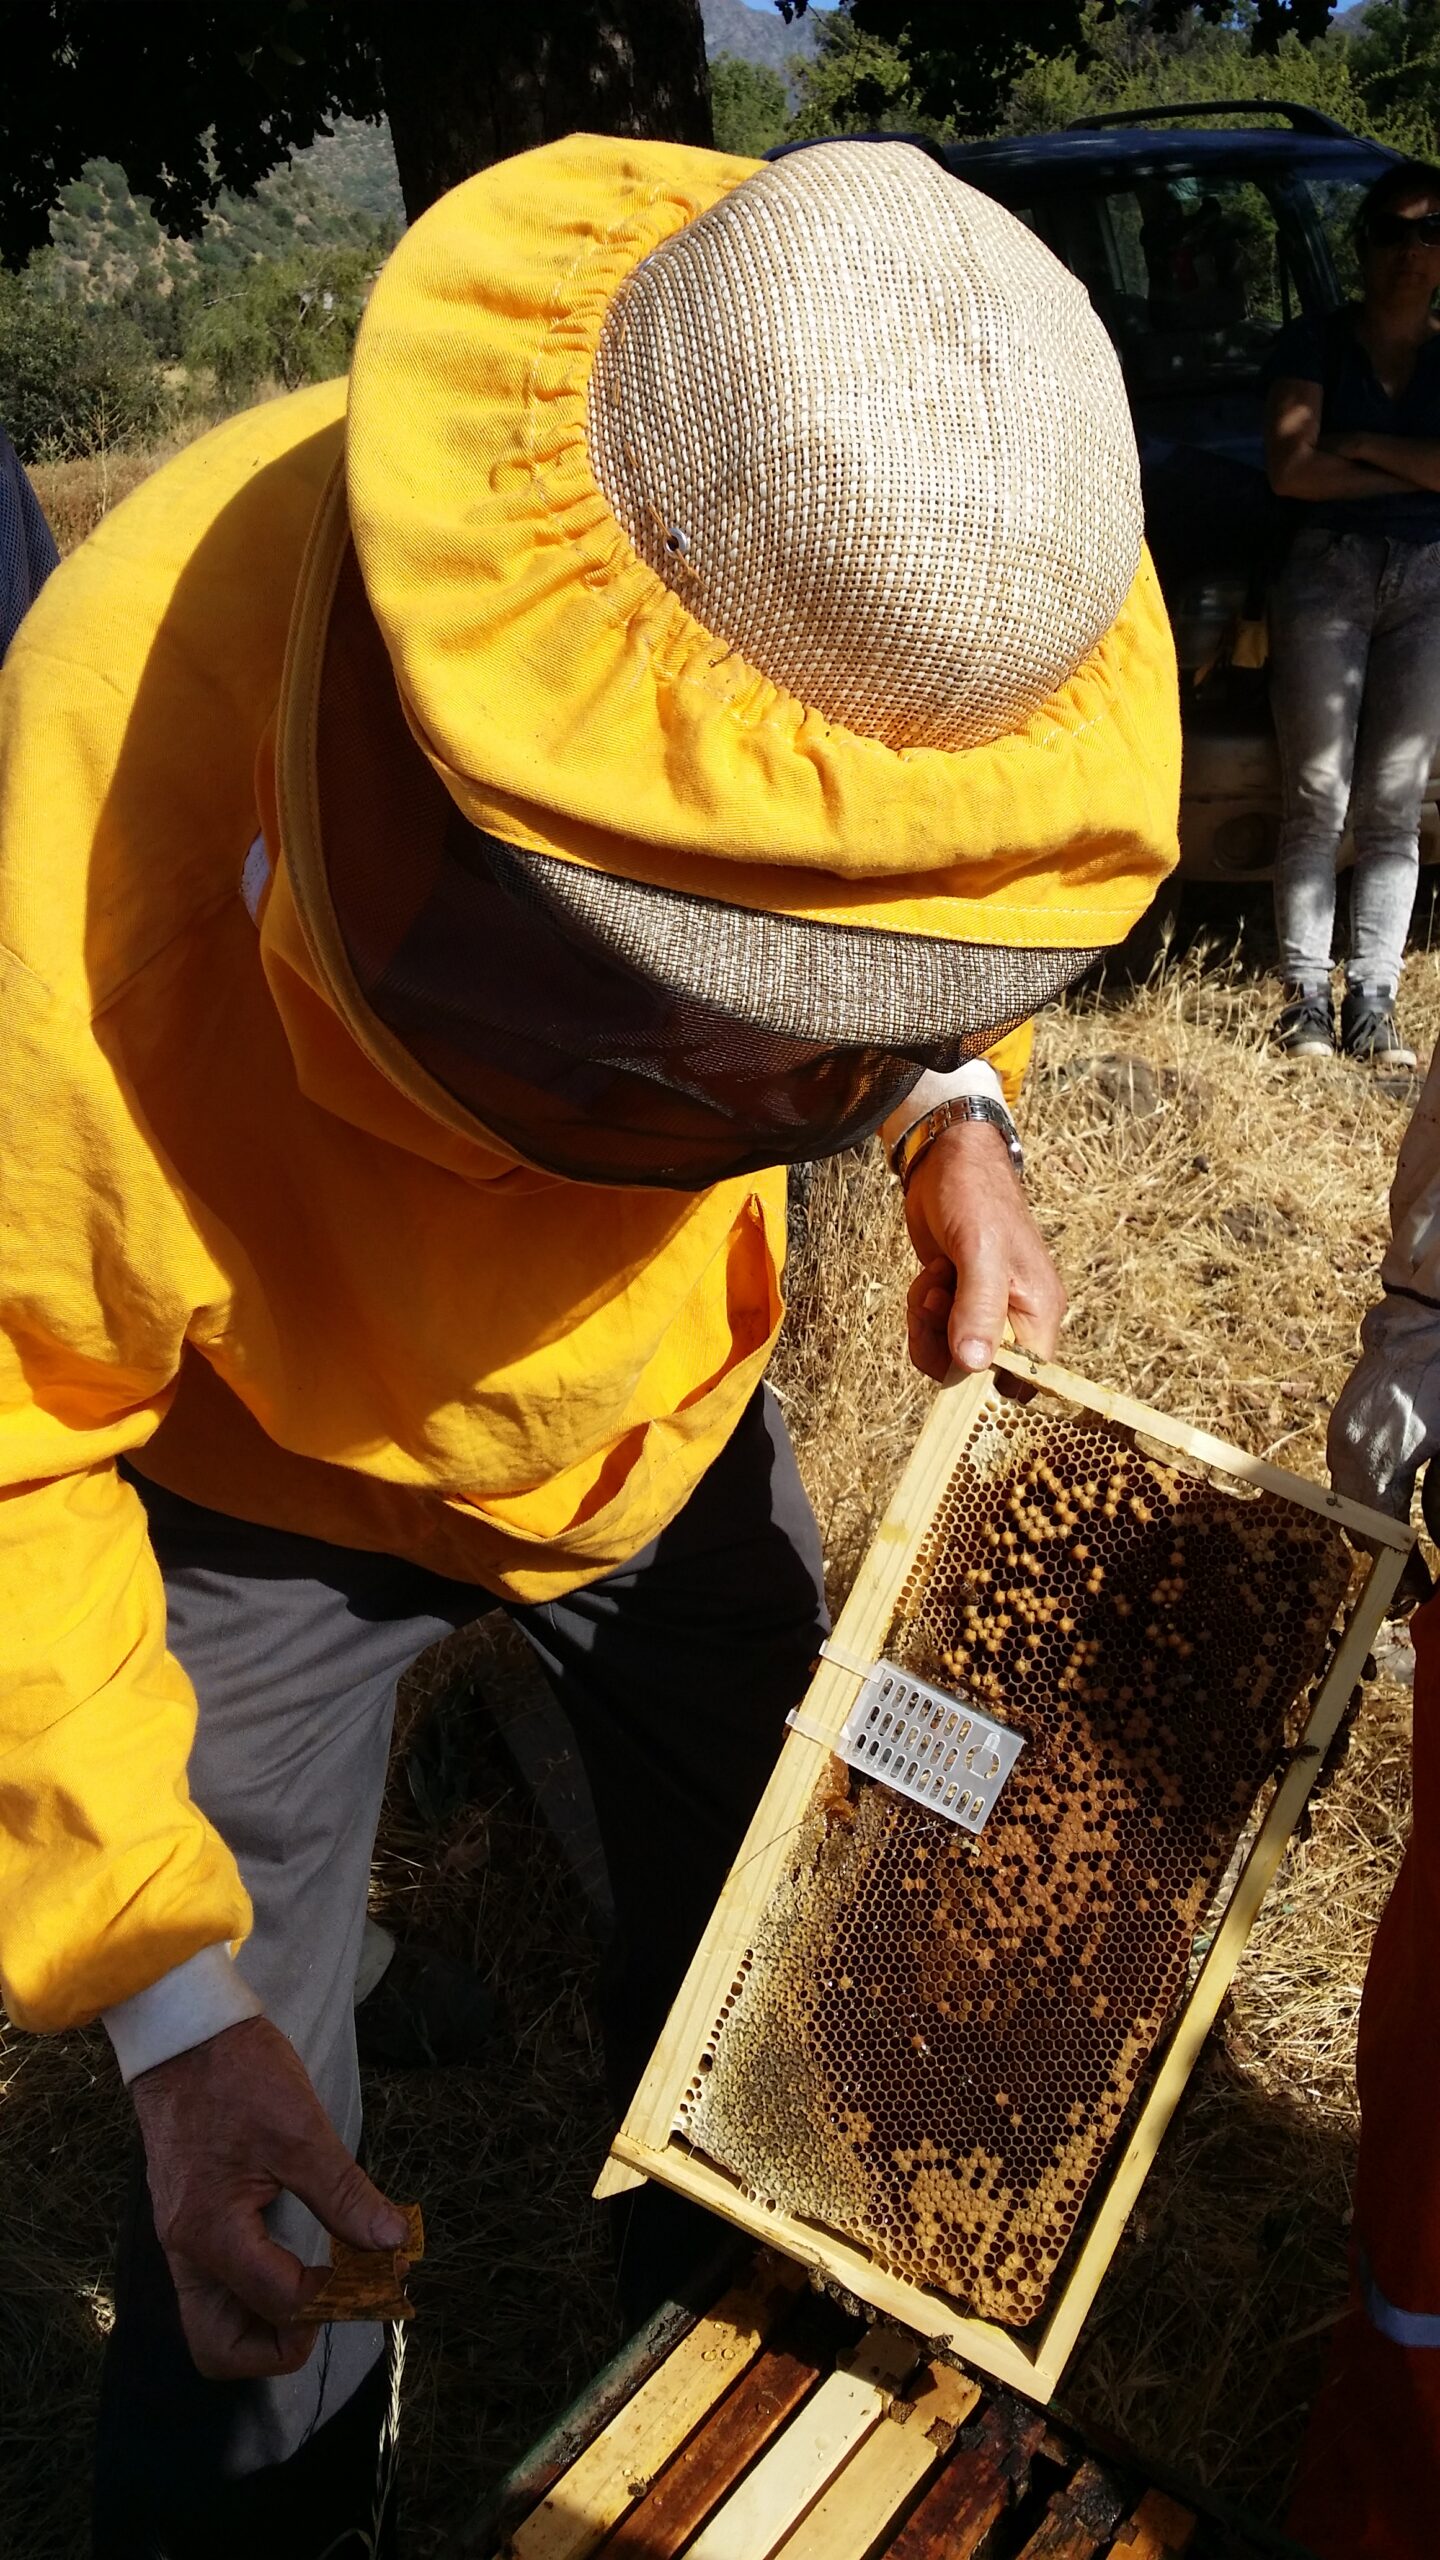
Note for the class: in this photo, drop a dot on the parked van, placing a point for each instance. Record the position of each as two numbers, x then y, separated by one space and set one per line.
1197 248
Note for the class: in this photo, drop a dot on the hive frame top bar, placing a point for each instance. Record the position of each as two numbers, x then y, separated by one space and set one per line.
1373 1528
648 2145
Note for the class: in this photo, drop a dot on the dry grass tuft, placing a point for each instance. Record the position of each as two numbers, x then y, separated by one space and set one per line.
76 494
1219 1252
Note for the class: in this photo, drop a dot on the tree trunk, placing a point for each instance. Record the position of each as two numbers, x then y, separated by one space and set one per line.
470 81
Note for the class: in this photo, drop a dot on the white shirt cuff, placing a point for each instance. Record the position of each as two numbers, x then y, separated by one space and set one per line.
976 1076
188 2005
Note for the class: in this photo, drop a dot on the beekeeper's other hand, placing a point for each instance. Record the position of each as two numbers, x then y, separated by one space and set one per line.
228 2126
1386 1421
983 1259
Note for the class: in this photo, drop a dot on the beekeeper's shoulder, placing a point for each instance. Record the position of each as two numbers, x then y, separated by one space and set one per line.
137 693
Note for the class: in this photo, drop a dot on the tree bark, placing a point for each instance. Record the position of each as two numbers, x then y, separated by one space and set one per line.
470 81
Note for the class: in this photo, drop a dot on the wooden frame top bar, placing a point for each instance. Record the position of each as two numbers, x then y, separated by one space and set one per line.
1374 1528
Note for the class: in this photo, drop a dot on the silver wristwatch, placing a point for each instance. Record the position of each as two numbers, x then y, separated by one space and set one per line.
921 1135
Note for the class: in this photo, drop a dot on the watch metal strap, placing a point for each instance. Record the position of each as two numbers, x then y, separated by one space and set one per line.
921 1135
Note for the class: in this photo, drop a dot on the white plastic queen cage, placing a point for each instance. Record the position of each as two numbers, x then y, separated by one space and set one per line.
935 1748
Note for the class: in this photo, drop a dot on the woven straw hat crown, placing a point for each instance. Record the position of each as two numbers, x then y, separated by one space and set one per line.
873 435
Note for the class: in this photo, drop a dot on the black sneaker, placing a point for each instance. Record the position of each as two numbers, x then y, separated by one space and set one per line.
1368 1030
1306 1028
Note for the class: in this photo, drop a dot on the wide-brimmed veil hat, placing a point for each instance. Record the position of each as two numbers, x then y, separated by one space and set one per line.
736 591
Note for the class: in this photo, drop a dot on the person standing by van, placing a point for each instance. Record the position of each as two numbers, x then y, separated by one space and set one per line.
1352 431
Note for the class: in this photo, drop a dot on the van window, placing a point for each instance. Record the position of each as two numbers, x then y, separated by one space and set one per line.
1188 273
1334 207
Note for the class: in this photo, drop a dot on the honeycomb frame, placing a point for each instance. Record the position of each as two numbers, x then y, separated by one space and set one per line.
658 2140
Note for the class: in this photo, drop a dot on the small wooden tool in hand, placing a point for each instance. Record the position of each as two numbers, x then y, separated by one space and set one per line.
369 2284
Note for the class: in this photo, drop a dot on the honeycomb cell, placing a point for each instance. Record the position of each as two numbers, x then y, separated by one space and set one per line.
935 2036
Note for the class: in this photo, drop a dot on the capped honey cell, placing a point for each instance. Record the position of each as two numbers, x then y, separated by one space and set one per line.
936 2037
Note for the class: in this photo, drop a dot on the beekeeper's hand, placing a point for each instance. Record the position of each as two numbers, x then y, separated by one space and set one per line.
228 2127
1386 1423
983 1259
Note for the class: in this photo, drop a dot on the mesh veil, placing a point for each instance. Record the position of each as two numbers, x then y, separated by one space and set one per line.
608 1031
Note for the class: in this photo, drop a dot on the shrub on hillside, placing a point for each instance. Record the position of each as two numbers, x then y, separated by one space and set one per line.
73 380
290 321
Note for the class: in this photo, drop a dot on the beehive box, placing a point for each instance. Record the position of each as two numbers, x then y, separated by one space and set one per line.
772 2425
937 2065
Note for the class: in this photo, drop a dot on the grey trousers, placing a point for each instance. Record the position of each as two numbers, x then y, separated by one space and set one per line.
1355 692
676 1674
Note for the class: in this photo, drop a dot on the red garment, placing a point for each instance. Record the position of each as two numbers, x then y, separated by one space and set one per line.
1369 2484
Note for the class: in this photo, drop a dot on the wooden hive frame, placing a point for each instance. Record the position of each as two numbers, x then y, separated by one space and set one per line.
648 2144
771 2431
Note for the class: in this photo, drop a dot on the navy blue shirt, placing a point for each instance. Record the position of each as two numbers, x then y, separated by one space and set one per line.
27 549
1356 402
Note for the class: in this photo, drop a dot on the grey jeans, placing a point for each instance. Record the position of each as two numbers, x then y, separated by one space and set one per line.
676 1673
1355 691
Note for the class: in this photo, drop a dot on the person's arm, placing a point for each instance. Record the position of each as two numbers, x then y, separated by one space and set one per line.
983 1260
228 2126
1386 1422
1299 463
116 1895
936 1085
1413 459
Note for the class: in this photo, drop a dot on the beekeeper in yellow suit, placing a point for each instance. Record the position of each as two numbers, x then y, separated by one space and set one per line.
704 694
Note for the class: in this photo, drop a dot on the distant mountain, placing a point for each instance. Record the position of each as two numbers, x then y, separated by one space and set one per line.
356 166
757 35
107 247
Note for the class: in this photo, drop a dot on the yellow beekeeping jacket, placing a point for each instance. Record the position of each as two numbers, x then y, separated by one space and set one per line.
231 1245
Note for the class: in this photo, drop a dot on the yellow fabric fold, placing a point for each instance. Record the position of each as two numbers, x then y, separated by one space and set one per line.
234 1249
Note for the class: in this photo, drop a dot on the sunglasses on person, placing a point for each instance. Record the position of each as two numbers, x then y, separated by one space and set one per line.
1394 230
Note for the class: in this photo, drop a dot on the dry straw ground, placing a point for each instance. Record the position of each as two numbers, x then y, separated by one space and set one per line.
75 495
1219 1251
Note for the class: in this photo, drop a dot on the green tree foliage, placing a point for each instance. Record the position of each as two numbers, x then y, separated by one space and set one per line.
72 380
1093 56
962 55
750 106
288 322
1395 56
193 99
858 83
188 100
1121 62
243 306
965 55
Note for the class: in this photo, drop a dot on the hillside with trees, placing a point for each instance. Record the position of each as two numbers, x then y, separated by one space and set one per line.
143 314
117 327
